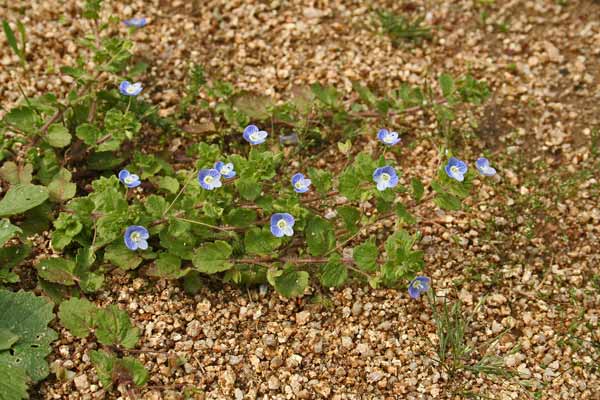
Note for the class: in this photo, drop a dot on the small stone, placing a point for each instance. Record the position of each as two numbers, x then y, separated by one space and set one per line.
81 382
302 317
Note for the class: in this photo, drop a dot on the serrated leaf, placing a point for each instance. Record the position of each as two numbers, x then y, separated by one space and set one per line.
13 383
241 217
122 257
61 188
7 339
77 315
57 270
365 256
322 180
351 218
213 257
334 273
167 266
403 214
167 183
260 242
58 136
349 184
447 202
7 231
417 189
248 188
27 316
133 370
13 173
115 328
23 118
320 236
21 198
88 133
104 364
290 283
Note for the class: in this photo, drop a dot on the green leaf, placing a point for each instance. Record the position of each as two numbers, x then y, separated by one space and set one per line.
351 218
192 283
327 95
167 183
417 189
27 316
168 266
447 201
260 242
104 160
58 136
133 369
365 256
447 85
349 184
403 214
249 188
321 179
23 118
334 273
10 38
155 205
364 93
104 364
77 315
290 283
13 383
241 217
21 198
13 173
211 258
88 133
57 270
115 328
61 188
255 106
7 339
7 231
320 236
118 254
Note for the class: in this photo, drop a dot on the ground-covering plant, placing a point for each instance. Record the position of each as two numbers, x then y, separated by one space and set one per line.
236 211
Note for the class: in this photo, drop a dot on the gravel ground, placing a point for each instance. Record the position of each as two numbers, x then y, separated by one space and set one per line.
528 245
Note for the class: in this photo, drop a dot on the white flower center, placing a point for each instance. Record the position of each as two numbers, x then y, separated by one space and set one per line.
208 179
129 179
299 184
225 169
254 136
136 237
385 177
454 169
388 138
130 89
281 224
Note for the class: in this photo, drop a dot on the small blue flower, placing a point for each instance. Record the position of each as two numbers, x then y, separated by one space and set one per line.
255 136
387 137
136 22
456 169
292 138
130 180
483 166
209 179
282 224
385 177
136 237
418 285
226 170
130 89
300 183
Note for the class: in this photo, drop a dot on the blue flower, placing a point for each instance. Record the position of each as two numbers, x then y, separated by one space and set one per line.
226 170
282 224
456 169
136 22
209 179
130 89
418 285
387 137
300 183
292 138
135 237
385 177
255 136
130 180
483 166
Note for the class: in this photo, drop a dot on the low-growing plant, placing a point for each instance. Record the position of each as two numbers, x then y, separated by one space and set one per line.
237 209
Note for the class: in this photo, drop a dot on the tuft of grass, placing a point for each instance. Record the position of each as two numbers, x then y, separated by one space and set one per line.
400 28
